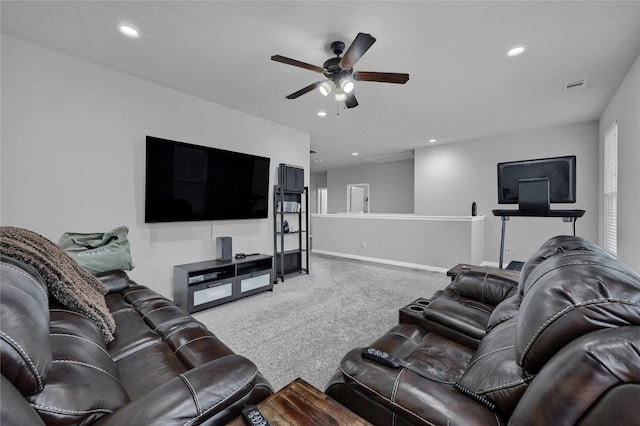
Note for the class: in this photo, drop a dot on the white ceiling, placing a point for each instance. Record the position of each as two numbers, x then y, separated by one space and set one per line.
461 85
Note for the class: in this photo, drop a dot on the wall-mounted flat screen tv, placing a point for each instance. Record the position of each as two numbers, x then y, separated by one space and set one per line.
187 182
560 171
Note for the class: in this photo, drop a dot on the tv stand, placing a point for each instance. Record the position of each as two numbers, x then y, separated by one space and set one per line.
566 215
202 285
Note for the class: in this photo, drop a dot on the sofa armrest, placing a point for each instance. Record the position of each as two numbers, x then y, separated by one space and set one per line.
15 409
116 280
214 392
483 287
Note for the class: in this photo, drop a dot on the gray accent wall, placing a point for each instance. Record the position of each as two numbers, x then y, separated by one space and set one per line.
390 184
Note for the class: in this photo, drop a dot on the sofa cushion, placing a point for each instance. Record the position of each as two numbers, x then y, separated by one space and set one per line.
469 319
133 336
84 384
65 321
138 379
404 397
505 310
192 398
138 295
493 371
196 346
115 281
164 319
569 295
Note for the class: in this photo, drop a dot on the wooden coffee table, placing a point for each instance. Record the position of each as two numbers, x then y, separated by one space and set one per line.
299 403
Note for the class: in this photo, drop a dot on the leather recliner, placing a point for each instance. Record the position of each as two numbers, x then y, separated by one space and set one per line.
562 348
163 367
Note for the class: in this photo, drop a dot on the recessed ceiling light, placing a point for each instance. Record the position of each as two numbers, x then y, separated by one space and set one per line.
128 31
322 113
515 51
355 154
432 141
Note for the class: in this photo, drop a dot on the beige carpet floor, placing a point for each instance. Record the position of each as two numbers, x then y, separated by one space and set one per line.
305 325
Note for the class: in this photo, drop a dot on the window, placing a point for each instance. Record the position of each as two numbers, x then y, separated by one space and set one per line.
611 190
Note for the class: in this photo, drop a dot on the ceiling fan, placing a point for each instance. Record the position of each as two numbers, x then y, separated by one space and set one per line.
339 71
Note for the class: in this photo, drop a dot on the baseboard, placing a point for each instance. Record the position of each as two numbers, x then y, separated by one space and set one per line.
383 261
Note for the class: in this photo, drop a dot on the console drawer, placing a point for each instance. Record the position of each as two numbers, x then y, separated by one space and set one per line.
257 281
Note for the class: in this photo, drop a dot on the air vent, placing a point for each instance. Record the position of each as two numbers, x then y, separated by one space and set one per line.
393 157
575 84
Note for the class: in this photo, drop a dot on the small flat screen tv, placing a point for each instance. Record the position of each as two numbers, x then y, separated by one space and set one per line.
186 182
560 172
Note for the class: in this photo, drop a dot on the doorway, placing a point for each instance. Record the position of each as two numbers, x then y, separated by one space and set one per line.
321 201
358 198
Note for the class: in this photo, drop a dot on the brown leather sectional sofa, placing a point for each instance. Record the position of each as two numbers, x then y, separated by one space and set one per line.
561 346
558 346
163 368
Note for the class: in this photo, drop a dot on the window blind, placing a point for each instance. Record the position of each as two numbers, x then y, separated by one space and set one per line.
611 190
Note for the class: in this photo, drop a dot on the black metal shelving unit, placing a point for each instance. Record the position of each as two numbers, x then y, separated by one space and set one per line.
291 249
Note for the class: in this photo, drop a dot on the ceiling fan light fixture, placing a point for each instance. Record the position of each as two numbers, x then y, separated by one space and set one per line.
340 95
346 84
326 87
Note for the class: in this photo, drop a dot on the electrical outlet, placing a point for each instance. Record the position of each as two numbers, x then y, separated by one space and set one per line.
363 245
510 250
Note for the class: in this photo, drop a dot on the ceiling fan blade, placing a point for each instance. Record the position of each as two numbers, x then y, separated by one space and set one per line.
360 45
382 77
296 63
302 91
351 101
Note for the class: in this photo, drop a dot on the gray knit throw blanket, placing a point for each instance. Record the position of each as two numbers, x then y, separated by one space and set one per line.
68 282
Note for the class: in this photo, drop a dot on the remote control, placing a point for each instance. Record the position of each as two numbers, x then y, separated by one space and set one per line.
381 357
253 417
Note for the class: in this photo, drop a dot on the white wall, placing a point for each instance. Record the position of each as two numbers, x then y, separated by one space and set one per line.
624 108
73 156
449 177
390 185
424 242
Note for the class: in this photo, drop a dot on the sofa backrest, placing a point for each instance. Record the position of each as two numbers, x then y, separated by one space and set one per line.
25 347
54 357
553 246
574 292
569 295
594 380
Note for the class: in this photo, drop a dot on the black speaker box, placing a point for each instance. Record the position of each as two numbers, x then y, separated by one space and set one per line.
291 178
223 248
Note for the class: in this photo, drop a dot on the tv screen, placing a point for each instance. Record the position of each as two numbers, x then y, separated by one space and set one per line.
560 171
187 182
